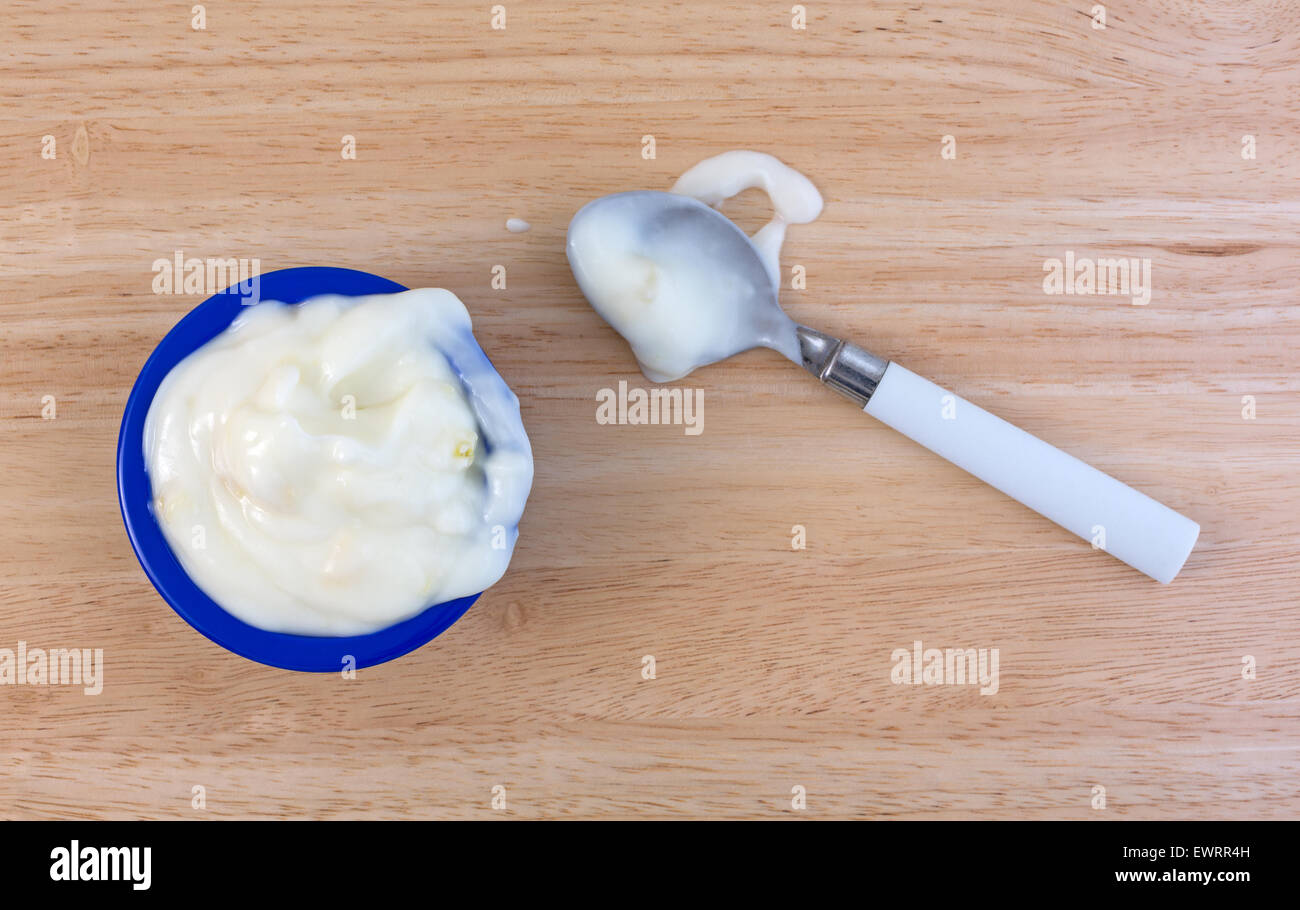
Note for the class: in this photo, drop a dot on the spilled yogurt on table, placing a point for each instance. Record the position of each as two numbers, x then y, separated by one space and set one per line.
673 300
324 469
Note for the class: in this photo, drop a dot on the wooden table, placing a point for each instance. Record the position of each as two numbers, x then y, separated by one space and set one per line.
772 664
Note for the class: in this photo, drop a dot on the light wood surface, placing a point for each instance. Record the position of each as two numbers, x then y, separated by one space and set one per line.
772 664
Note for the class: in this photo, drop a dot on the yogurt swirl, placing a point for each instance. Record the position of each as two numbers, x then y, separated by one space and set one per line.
335 467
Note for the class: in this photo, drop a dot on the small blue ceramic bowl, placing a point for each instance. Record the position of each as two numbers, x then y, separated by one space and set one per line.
276 649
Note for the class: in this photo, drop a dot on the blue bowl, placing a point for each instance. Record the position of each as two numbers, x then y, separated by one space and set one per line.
277 649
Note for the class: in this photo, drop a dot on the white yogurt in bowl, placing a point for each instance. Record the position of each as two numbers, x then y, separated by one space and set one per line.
334 467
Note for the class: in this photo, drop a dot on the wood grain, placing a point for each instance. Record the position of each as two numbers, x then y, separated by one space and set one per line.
773 665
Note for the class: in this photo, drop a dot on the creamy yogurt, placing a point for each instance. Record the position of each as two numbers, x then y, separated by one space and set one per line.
673 301
323 469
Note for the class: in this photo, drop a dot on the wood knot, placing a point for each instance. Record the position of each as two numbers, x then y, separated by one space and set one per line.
513 618
81 144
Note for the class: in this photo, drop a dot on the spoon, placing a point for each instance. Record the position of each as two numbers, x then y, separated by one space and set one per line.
721 298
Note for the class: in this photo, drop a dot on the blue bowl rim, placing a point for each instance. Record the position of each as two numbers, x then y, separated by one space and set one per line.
317 654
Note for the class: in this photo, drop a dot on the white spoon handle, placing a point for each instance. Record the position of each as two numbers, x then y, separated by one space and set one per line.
1131 526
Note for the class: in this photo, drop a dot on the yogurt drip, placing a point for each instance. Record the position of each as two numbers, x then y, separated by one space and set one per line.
676 304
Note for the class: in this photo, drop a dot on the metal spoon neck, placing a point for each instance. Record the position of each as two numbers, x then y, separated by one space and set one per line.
846 368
